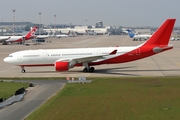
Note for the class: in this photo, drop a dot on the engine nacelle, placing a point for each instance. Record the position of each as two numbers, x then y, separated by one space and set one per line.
63 65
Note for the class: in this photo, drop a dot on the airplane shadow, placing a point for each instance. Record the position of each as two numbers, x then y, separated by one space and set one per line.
41 72
124 71
110 71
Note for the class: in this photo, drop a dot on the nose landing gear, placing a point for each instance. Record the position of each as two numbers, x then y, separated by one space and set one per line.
23 70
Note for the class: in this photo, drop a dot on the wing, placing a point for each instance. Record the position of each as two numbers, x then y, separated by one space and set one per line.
4 38
87 58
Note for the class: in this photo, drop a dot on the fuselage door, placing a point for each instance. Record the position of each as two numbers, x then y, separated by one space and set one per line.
138 52
99 52
19 57
45 55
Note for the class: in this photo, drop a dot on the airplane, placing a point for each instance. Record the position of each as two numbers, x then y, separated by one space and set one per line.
9 39
90 32
64 59
45 36
138 36
125 31
63 35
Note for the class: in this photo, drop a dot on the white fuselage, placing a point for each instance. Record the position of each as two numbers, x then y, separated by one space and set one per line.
50 56
43 36
62 35
11 38
142 37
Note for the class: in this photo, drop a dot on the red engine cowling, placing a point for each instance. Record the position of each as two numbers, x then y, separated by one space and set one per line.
61 66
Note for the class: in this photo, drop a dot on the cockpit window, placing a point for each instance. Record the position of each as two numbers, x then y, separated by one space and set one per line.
10 56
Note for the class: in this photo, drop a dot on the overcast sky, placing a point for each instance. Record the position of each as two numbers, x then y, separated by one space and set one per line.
111 12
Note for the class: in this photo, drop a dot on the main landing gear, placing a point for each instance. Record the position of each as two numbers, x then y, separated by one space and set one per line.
88 68
23 70
4 43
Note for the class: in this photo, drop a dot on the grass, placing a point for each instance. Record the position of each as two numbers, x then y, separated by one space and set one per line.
132 98
7 89
32 78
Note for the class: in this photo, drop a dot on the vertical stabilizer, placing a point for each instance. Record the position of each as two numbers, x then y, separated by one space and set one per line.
31 33
162 35
130 33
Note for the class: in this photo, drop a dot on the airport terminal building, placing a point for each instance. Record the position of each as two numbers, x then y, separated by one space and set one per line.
99 29
19 27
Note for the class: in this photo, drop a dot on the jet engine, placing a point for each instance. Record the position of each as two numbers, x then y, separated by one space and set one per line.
64 65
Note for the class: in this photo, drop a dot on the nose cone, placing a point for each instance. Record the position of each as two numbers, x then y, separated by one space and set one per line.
9 60
6 59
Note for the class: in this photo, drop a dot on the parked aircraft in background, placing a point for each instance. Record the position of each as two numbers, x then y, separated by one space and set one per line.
69 34
9 39
45 36
62 36
64 59
138 36
4 38
124 31
90 32
175 38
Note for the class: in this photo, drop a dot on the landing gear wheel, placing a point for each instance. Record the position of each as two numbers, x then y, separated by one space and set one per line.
88 70
85 70
91 69
23 71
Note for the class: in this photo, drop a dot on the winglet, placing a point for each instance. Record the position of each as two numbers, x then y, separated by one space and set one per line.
162 35
113 52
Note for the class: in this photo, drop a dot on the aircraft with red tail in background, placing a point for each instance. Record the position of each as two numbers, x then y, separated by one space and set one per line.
9 39
64 59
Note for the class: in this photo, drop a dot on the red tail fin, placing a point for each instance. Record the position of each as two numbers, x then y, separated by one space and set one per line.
31 33
162 35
